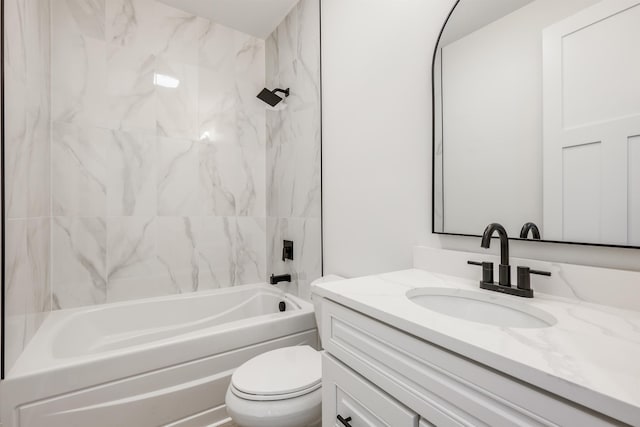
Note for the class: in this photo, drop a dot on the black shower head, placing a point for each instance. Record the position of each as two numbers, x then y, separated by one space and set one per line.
270 97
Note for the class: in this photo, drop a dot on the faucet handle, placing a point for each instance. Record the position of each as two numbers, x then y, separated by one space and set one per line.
487 270
287 250
540 273
524 277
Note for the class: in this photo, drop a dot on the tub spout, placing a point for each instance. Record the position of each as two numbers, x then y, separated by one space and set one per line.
282 278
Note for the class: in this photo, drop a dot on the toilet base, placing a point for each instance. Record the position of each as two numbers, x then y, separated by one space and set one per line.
300 411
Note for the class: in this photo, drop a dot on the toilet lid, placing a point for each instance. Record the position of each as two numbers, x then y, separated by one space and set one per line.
280 372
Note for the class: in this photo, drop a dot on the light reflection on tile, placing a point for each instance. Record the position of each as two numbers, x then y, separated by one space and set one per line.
177 107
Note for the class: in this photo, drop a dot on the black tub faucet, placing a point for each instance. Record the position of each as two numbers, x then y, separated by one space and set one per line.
274 280
530 227
504 271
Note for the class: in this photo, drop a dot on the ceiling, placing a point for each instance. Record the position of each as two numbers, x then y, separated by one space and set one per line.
255 17
471 15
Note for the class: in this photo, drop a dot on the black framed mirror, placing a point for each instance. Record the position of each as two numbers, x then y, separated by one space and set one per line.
536 112
2 204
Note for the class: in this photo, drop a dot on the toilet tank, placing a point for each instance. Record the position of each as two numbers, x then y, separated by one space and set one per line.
316 299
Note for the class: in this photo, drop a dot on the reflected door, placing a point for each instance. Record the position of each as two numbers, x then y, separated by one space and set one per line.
591 155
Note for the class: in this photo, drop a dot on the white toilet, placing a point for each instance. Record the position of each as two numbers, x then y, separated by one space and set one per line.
280 388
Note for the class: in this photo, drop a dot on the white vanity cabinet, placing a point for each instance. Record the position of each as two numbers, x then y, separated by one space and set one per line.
346 394
379 375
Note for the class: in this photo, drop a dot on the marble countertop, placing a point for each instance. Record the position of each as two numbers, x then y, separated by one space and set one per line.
591 356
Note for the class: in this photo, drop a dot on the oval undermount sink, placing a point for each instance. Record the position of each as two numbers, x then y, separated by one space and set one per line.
481 307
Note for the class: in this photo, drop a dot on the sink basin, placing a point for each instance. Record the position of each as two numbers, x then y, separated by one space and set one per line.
481 307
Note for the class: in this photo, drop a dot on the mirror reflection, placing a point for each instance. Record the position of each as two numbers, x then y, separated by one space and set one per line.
537 120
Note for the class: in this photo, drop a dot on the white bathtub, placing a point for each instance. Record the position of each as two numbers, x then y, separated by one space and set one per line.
161 361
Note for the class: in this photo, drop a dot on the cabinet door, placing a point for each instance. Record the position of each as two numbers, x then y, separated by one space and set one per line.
358 402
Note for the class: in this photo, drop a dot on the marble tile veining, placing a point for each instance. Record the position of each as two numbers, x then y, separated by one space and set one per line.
177 251
293 173
161 177
79 175
27 116
131 247
216 48
86 17
216 242
250 250
232 180
79 63
130 89
178 180
293 181
129 22
177 33
79 255
27 122
131 178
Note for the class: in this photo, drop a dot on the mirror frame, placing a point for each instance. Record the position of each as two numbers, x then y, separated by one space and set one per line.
433 159
2 196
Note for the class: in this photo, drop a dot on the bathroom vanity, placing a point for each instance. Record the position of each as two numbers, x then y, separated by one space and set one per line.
393 360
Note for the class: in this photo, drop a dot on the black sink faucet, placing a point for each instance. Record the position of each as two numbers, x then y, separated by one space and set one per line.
530 227
504 271
504 283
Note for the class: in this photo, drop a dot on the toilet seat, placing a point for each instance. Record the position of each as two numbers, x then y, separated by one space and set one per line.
280 374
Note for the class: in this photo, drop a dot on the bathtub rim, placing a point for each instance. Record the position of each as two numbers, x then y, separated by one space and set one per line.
38 358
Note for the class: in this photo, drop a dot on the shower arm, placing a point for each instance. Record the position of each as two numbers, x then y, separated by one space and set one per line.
285 91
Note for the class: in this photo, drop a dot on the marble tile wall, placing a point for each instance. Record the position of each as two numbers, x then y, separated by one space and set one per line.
158 148
294 147
27 172
139 162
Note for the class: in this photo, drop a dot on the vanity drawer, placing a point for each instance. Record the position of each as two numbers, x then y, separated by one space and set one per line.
441 386
347 394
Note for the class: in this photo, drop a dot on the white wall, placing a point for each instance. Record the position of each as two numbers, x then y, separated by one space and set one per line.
377 142
376 130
